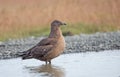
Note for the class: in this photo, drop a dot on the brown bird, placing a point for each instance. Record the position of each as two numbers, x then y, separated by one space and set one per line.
50 47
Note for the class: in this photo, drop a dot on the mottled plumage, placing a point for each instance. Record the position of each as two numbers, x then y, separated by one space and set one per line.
50 47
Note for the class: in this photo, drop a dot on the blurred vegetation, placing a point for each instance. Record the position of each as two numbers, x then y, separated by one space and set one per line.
89 28
70 29
23 18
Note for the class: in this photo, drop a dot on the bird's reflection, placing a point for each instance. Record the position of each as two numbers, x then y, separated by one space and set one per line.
47 70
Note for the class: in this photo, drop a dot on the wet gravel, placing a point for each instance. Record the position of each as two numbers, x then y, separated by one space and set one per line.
77 43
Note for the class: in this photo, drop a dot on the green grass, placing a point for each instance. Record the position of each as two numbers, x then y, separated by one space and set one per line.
44 30
24 32
89 28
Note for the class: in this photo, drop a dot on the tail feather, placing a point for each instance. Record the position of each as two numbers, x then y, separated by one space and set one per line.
24 55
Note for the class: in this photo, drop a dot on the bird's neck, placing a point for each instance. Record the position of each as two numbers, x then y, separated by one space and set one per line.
55 32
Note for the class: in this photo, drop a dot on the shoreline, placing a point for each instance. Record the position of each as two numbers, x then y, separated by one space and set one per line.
74 44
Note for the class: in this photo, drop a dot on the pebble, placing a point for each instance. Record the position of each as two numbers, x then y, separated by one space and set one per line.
74 44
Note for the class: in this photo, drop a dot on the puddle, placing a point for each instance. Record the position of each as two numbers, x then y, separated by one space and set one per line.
90 64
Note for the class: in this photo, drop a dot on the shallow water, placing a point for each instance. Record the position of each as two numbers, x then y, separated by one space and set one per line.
90 64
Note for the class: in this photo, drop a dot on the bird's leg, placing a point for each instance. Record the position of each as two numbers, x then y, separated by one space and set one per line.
45 62
49 61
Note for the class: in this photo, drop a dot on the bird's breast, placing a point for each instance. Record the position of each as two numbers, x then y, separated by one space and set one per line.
58 49
60 46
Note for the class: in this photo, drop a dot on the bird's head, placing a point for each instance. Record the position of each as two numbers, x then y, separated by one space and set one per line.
57 23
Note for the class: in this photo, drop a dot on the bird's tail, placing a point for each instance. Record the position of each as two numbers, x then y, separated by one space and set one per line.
24 55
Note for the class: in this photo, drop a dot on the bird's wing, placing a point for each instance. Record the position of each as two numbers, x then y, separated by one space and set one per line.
44 42
43 47
47 41
40 51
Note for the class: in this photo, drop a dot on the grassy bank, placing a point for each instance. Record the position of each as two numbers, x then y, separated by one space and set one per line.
22 18
43 31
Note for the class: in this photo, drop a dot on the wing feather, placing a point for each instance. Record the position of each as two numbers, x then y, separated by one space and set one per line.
47 41
40 51
42 48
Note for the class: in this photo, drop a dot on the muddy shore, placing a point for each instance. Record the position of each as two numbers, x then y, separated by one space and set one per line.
74 44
